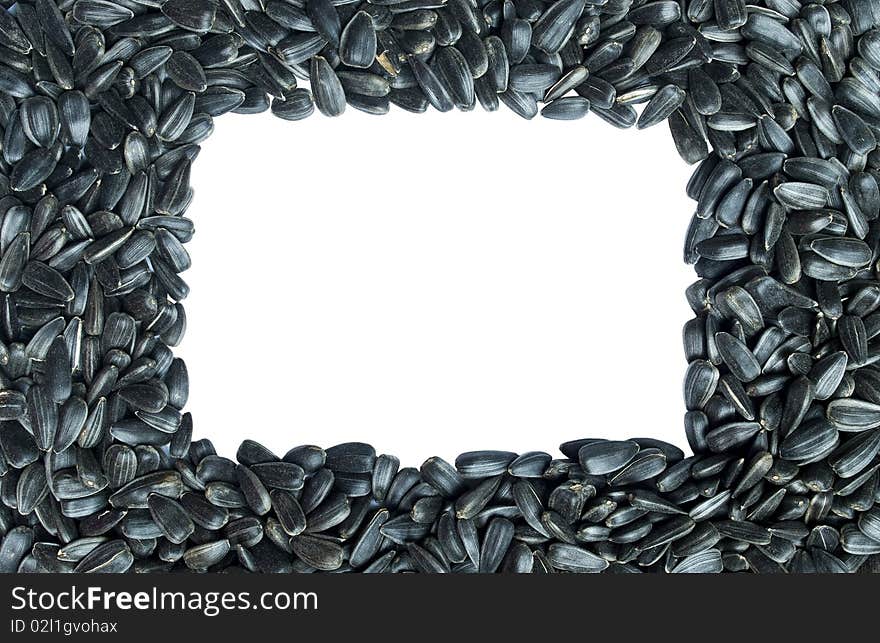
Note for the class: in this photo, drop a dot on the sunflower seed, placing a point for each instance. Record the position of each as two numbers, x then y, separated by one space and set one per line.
605 457
194 15
666 101
570 558
171 517
556 25
317 552
704 562
186 72
357 47
113 556
206 555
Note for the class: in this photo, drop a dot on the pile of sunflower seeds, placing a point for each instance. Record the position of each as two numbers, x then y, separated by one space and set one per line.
103 105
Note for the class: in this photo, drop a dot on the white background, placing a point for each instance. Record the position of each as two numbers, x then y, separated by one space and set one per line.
436 284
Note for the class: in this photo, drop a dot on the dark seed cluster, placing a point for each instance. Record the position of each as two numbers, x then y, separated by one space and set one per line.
103 104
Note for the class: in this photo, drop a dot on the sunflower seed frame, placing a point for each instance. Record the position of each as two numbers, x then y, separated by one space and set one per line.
103 105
